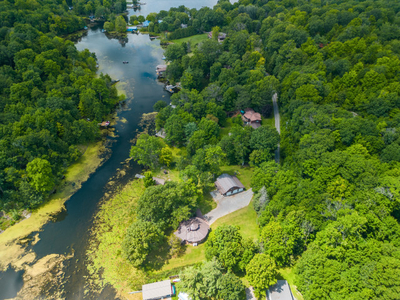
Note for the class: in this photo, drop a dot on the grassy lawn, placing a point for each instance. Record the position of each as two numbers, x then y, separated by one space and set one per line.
288 275
194 39
245 218
243 173
207 204
268 121
225 130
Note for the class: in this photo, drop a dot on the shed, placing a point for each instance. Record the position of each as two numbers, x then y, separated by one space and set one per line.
131 28
157 290
280 291
228 185
160 70
162 134
194 230
159 181
146 23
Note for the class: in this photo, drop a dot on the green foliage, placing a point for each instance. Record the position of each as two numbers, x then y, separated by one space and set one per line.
261 273
120 24
141 237
227 246
40 175
148 179
167 205
166 157
147 151
208 282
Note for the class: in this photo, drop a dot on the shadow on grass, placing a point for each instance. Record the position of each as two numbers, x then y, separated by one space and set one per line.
162 254
207 204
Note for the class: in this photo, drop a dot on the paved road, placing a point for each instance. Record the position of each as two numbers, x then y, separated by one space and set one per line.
277 123
227 205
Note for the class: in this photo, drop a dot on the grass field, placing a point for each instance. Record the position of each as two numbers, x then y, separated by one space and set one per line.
225 130
243 173
245 218
194 39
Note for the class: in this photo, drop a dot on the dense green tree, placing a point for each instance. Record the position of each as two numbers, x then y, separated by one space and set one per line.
261 273
40 174
147 151
120 24
141 237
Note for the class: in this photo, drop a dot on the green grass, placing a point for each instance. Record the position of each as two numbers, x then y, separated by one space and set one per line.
245 218
225 130
289 275
194 39
243 173
207 204
104 253
268 121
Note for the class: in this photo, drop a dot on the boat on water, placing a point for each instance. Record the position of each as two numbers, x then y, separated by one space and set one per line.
170 88
163 57
125 62
104 124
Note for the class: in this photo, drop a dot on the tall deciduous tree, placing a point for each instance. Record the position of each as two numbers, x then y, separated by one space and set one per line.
40 175
141 237
147 151
261 273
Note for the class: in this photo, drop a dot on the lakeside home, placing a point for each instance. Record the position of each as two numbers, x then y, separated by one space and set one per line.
228 185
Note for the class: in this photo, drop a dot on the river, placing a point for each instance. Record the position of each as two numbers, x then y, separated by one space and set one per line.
68 234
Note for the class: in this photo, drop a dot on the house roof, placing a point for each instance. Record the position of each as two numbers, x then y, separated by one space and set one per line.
225 182
251 115
280 291
159 181
156 290
194 230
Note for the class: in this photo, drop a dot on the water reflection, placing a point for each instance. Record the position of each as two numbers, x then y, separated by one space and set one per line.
11 282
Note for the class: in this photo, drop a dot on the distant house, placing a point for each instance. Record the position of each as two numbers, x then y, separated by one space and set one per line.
158 290
228 185
160 70
252 118
162 134
146 23
193 231
159 181
221 36
280 291
131 28
183 25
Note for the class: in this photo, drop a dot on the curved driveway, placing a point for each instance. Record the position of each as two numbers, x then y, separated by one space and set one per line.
227 205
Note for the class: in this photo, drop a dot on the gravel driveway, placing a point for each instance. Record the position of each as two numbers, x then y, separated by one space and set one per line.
227 205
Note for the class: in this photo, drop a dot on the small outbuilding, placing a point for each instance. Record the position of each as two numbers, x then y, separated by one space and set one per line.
280 291
158 290
159 181
160 70
228 185
193 231
252 118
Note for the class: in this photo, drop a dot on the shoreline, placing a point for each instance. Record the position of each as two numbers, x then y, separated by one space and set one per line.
12 240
